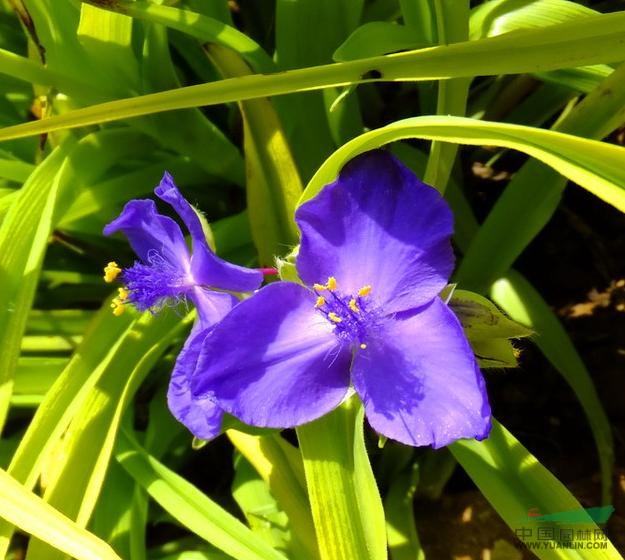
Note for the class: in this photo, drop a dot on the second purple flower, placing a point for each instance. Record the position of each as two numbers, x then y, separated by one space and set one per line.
167 273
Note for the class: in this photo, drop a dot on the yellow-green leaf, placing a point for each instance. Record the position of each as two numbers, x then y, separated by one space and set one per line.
32 515
596 166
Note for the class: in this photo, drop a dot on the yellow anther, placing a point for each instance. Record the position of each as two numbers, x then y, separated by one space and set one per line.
111 271
118 306
363 345
319 287
334 317
118 303
353 306
365 291
119 310
320 301
331 285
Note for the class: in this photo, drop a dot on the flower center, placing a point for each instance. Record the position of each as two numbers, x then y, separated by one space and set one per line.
147 286
353 316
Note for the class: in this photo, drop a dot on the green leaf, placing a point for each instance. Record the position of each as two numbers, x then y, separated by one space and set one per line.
189 506
554 341
307 120
370 506
34 377
260 508
59 321
273 184
58 44
85 451
344 498
49 344
535 190
30 71
105 198
503 16
525 305
582 79
376 38
117 519
514 482
206 29
32 515
401 530
279 464
15 170
60 404
594 165
23 241
420 15
451 18
581 42
188 132
26 228
106 38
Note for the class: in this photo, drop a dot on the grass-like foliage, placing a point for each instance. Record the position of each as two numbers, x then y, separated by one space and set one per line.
254 107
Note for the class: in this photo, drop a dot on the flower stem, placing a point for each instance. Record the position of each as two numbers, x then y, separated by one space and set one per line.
344 498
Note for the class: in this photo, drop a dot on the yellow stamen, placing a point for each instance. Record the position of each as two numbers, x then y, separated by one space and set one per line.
111 272
119 310
365 291
331 283
334 317
353 306
363 345
320 301
118 306
118 303
319 287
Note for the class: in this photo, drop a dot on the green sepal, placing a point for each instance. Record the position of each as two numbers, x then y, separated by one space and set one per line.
447 292
482 319
495 353
286 266
198 443
489 331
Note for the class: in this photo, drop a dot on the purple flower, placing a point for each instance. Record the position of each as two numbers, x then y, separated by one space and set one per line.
168 272
375 254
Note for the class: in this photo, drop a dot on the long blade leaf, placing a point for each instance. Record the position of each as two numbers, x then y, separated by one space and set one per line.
593 40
